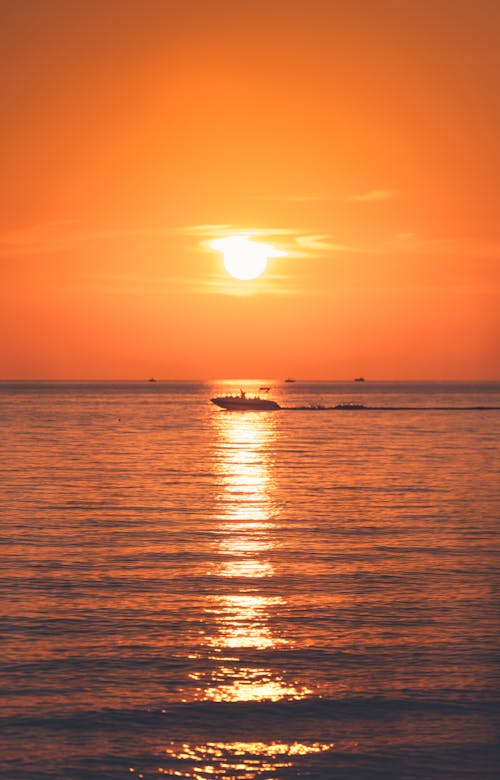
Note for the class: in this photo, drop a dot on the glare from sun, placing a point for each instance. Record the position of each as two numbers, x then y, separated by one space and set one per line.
243 258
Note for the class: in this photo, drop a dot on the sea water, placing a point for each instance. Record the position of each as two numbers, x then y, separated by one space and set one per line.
196 593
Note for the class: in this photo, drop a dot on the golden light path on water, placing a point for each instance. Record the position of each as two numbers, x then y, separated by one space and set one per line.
244 541
236 760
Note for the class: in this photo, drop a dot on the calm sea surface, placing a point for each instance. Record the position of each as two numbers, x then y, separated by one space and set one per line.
204 594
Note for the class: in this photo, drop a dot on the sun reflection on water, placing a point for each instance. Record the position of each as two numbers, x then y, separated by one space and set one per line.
243 544
245 531
243 621
250 684
235 760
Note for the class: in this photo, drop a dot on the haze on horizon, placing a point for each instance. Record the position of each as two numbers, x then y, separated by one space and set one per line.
358 139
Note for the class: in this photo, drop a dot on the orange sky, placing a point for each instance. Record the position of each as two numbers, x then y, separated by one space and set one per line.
358 136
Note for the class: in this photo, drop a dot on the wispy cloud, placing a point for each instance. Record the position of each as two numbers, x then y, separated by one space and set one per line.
222 231
213 284
66 235
291 242
268 285
374 195
321 197
205 230
321 243
296 243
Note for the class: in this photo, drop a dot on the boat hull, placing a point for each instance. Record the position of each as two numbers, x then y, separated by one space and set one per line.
237 404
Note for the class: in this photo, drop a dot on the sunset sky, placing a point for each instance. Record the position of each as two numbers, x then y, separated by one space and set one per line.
358 138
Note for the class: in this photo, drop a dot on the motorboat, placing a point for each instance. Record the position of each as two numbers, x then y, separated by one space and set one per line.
243 403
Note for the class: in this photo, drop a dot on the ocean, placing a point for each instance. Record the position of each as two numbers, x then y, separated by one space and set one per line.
304 593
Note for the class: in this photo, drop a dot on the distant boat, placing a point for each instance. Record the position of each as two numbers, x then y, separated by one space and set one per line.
242 403
290 380
349 406
359 379
152 379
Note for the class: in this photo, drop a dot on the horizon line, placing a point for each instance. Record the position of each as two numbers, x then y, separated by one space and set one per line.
249 379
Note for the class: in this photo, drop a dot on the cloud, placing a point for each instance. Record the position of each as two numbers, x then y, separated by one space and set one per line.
214 284
321 243
292 242
318 197
66 235
374 195
205 230
222 231
265 285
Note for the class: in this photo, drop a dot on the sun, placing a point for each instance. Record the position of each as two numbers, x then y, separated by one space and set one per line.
243 258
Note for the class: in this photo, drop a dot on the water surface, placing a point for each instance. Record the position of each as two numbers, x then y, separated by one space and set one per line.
196 593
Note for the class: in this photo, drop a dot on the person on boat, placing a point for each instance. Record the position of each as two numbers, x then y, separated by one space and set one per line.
242 393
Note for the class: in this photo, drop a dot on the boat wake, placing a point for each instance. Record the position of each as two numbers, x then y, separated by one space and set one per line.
362 407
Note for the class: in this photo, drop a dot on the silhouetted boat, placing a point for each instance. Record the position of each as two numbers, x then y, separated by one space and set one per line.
152 379
349 406
359 379
290 380
242 403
